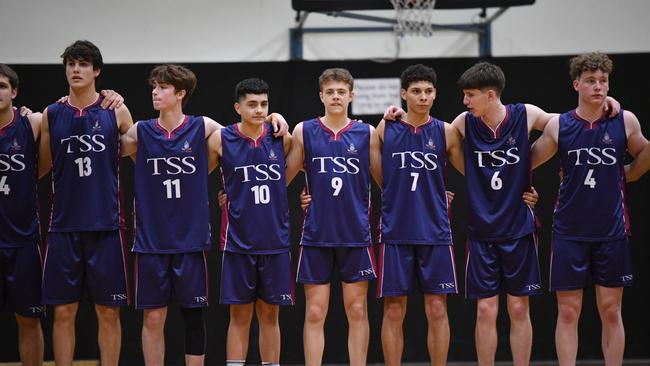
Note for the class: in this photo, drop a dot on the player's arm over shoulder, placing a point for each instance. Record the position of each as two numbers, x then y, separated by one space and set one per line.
546 145
295 157
454 143
459 124
381 126
215 149
124 119
35 120
129 140
537 117
211 126
44 153
375 155
635 139
286 142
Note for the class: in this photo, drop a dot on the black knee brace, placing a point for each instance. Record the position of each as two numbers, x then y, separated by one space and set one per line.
194 331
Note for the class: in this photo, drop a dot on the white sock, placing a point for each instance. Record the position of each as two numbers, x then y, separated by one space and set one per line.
235 362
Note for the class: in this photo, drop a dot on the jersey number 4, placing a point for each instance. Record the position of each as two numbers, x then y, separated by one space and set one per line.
4 187
590 180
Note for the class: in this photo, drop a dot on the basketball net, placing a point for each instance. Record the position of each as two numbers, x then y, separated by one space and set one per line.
414 17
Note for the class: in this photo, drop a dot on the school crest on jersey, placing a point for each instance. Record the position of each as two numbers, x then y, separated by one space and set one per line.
186 147
430 145
607 140
351 149
272 156
97 126
15 146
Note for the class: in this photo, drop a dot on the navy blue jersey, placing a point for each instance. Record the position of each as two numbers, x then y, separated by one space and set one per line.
171 188
85 146
253 171
18 200
337 167
497 168
591 203
414 201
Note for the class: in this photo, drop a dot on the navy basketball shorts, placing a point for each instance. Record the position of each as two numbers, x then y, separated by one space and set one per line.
247 277
510 266
354 264
429 267
163 278
575 263
20 280
89 262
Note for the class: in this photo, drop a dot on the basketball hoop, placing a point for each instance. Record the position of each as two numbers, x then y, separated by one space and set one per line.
414 17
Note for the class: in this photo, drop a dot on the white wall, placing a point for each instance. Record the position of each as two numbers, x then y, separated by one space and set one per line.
150 31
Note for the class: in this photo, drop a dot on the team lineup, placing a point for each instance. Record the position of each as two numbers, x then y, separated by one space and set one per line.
80 140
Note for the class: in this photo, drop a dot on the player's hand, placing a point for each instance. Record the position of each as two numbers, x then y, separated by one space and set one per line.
280 125
305 200
112 99
612 106
531 197
24 111
393 113
450 197
222 198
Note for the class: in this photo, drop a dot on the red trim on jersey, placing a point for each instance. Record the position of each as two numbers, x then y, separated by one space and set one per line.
293 280
497 132
335 136
466 263
453 265
305 190
133 219
52 198
587 124
135 274
299 261
170 134
205 268
78 112
380 277
416 129
379 228
626 214
223 235
125 263
255 142
503 123
44 257
373 261
550 264
13 122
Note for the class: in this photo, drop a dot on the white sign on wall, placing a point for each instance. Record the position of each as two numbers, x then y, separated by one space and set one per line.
372 96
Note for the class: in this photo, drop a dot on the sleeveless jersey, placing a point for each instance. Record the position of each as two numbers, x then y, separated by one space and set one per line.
591 203
337 168
414 201
256 220
497 169
171 188
19 224
85 146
